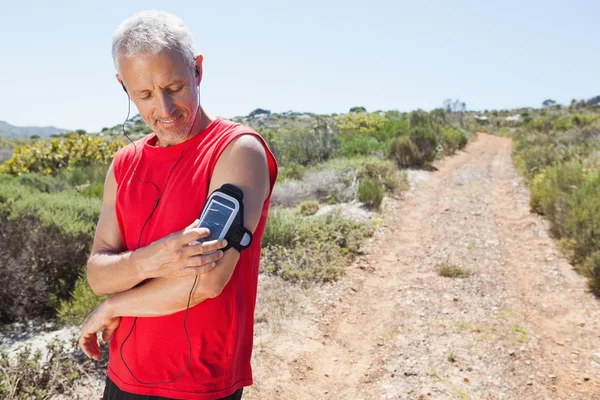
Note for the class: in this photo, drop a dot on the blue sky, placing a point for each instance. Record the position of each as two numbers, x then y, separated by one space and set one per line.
316 56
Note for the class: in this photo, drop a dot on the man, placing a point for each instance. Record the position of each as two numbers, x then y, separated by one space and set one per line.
180 313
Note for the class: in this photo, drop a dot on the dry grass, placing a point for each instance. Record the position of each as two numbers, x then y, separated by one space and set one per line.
452 271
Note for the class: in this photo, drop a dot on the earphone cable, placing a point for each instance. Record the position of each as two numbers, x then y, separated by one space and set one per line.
160 193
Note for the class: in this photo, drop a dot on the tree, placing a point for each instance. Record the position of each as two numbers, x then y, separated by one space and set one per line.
457 110
594 101
259 111
358 110
548 103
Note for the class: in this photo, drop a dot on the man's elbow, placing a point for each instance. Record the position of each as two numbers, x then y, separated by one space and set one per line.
207 290
98 291
95 288
214 290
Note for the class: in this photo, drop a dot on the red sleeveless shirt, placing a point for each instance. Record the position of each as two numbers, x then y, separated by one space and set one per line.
220 329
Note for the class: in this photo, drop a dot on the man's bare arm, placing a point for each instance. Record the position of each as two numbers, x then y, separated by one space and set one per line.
243 164
111 270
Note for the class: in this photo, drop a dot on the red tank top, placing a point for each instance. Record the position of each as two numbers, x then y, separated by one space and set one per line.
220 329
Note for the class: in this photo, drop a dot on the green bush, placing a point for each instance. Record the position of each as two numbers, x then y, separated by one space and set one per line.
591 269
558 155
386 173
405 153
46 184
308 207
552 194
95 190
453 139
281 228
50 156
584 119
426 140
47 238
92 174
306 146
360 123
583 219
370 192
361 145
302 249
292 170
82 302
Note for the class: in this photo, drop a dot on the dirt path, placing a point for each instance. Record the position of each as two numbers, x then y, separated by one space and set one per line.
522 326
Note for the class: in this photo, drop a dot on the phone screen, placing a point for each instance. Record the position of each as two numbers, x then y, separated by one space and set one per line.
216 218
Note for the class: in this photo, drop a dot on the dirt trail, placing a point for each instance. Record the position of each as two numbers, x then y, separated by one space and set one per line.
522 326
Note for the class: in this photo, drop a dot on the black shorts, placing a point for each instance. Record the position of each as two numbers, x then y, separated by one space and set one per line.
112 392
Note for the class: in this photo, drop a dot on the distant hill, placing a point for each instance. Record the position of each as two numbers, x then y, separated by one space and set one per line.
11 131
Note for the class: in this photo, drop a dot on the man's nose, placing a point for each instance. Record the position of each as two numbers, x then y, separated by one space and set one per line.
165 106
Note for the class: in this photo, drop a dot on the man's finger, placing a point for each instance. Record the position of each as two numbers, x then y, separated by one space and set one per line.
193 224
89 345
110 330
192 234
197 261
204 248
199 270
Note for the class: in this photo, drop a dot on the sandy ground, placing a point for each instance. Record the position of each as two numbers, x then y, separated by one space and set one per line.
522 326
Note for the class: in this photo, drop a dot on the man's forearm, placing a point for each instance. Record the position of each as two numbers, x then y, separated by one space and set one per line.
161 296
109 273
164 296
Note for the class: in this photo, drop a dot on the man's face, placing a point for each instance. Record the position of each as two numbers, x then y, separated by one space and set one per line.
165 90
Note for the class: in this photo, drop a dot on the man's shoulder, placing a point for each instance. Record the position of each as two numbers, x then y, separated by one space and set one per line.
235 127
136 146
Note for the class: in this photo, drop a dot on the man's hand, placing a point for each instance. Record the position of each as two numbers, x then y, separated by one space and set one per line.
98 319
175 255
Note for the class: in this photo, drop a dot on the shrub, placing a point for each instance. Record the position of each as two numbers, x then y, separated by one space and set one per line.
583 217
281 228
591 269
41 183
291 171
82 302
92 174
49 156
46 241
538 192
558 155
386 173
309 207
552 194
370 192
425 138
453 139
302 249
306 146
361 145
95 191
405 152
30 375
360 123
452 271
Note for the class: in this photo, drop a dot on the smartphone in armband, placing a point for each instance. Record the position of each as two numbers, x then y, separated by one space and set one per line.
223 215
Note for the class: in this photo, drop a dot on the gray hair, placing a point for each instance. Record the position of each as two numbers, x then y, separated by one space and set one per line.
150 32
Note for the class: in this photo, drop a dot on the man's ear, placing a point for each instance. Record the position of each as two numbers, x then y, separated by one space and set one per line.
199 68
121 83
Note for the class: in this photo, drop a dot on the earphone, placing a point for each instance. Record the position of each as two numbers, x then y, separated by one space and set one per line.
160 193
